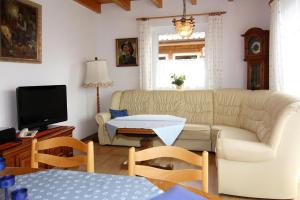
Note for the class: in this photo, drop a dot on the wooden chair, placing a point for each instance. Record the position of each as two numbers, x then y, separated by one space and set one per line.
62 162
170 176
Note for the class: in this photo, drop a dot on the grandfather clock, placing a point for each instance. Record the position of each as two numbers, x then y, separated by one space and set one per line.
257 58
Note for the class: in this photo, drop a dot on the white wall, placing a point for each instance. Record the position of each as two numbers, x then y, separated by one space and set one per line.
68 41
117 23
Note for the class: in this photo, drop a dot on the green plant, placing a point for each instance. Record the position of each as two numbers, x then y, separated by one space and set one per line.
178 80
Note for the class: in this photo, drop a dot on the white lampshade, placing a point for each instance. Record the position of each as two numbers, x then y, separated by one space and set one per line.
96 74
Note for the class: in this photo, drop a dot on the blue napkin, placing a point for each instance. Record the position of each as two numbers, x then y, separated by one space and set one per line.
178 193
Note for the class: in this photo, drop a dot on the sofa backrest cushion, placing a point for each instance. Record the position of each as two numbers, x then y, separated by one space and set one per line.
136 101
166 103
261 113
254 115
195 106
279 107
227 105
115 100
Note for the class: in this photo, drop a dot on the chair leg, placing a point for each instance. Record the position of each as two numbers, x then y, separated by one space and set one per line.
205 171
131 162
34 163
90 158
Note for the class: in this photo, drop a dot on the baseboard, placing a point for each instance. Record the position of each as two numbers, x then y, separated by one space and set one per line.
93 137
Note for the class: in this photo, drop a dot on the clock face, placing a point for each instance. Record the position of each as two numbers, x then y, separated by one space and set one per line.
254 45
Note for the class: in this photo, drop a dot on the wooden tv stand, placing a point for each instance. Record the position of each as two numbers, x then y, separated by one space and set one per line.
18 154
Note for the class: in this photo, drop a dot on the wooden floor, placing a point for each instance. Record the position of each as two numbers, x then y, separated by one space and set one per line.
108 159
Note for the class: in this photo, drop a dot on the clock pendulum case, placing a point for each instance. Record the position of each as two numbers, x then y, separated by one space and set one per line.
257 58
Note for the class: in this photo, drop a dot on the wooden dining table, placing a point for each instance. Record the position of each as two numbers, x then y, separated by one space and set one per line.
163 185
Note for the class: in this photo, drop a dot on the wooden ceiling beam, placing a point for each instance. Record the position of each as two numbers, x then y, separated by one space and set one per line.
125 4
158 3
93 5
194 2
180 43
104 1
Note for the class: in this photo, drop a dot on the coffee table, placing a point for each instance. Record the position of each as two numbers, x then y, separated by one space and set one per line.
166 127
146 142
148 127
146 134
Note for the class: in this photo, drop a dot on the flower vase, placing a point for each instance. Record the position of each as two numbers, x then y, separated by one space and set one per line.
179 87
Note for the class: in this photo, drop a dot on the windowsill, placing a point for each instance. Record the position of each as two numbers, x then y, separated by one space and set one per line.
183 89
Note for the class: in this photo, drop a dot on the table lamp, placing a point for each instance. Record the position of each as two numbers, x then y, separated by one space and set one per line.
97 77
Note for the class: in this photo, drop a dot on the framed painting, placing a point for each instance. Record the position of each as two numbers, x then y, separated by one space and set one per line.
20 31
127 52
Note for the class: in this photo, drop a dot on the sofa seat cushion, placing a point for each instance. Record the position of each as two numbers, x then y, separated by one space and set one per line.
243 151
241 145
195 132
227 132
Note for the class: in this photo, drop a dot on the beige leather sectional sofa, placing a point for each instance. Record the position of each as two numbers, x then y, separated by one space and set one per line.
256 134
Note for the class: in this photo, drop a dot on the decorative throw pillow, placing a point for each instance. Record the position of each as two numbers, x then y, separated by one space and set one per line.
118 113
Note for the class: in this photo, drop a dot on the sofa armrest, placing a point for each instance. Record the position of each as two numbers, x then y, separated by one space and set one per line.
243 151
102 118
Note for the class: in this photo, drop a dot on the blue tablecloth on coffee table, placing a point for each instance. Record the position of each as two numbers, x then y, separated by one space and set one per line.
166 127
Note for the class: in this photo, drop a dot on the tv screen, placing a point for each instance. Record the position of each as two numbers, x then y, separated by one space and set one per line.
39 106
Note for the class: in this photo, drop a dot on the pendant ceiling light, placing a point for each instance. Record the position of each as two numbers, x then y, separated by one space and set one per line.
184 26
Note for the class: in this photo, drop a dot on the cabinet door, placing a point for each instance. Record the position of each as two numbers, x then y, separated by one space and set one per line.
24 159
10 161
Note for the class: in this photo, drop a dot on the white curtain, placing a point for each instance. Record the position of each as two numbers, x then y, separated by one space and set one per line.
275 68
146 57
285 62
214 51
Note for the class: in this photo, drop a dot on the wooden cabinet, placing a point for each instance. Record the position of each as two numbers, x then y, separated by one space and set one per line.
257 58
23 159
18 154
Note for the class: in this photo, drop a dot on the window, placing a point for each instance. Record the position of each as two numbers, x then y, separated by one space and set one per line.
289 20
185 56
181 57
291 61
163 57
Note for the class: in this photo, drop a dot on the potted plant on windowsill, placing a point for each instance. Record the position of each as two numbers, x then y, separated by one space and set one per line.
178 81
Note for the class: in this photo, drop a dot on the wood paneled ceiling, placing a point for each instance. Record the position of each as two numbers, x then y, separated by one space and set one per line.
95 5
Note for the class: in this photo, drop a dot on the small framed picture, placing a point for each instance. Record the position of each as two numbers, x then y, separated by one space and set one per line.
127 52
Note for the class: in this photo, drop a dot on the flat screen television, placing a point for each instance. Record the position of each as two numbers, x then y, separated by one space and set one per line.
40 106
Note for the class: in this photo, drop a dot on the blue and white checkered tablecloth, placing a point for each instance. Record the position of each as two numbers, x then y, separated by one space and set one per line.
73 185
